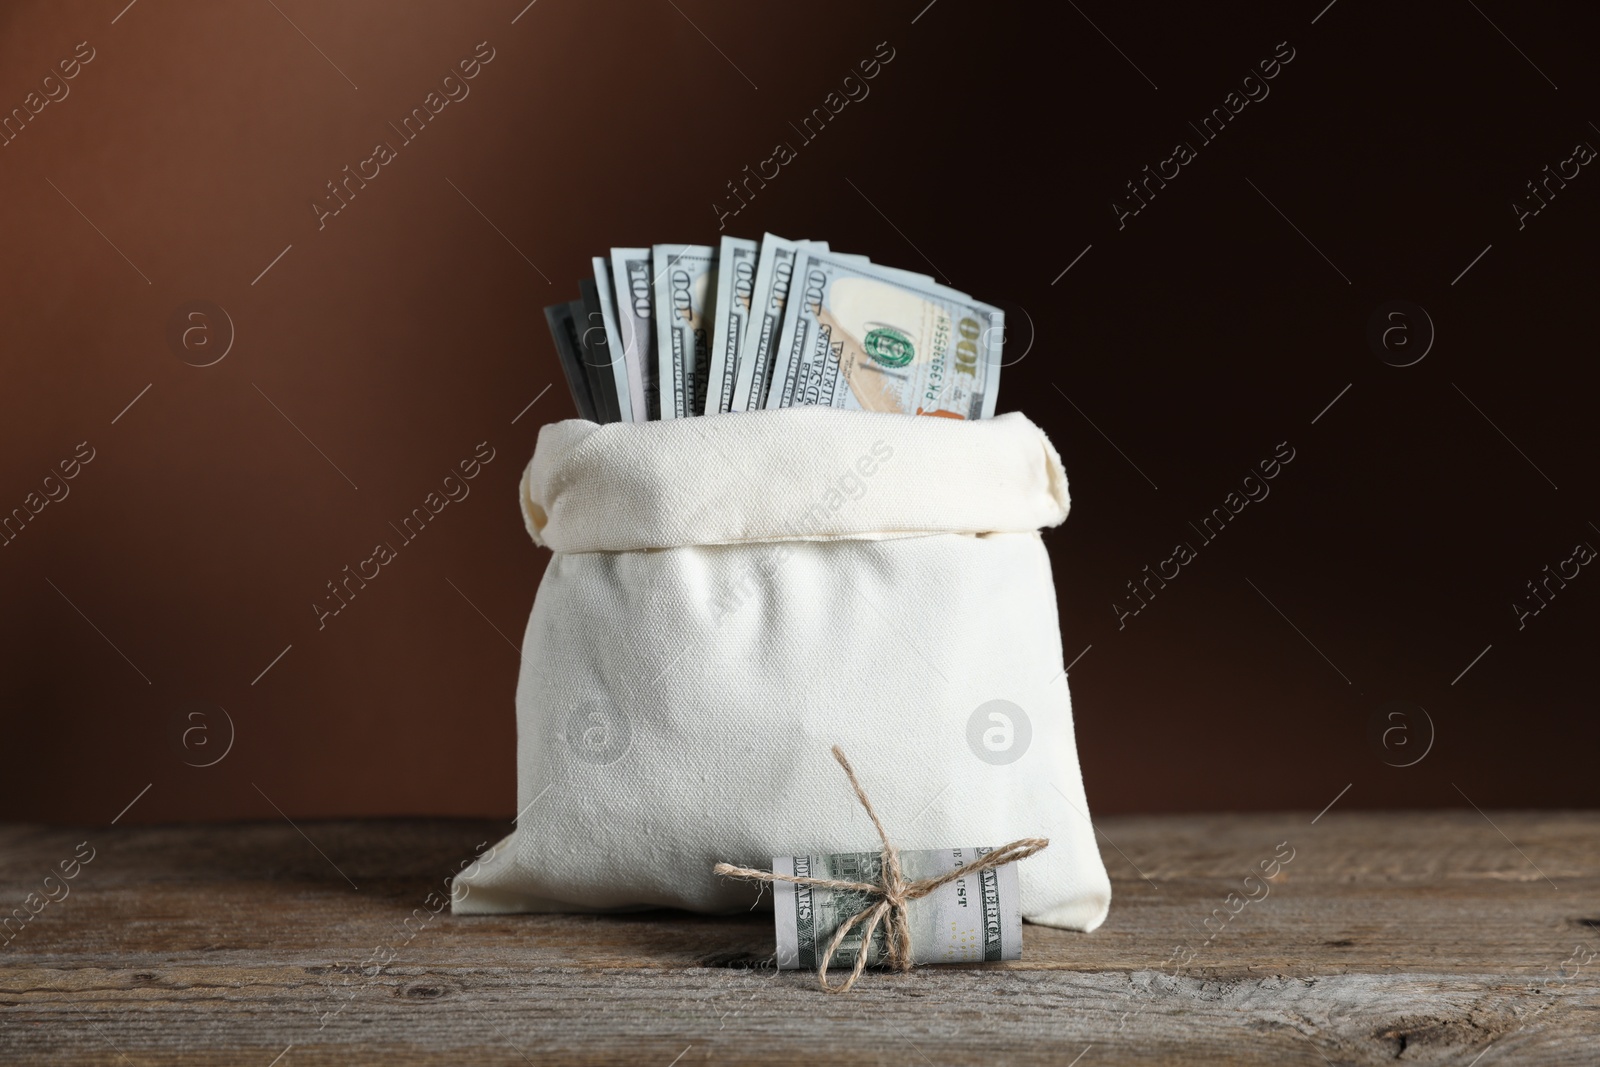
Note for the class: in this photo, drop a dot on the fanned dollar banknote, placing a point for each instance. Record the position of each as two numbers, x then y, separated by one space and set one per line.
685 279
672 331
975 919
736 269
625 372
768 293
564 331
630 274
858 336
609 389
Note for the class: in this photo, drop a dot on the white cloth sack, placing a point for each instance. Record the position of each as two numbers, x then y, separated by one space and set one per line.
732 595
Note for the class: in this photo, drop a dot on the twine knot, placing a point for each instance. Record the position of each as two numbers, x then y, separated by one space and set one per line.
892 891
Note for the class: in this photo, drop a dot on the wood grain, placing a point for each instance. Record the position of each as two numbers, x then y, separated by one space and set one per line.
1417 937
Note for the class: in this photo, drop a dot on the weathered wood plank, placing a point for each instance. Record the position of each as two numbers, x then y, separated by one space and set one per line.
1421 936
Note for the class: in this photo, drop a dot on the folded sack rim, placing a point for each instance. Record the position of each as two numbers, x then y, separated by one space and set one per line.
680 484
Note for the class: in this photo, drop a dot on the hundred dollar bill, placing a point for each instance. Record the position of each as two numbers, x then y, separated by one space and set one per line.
736 268
768 292
861 337
768 297
597 362
625 375
685 295
564 331
975 919
630 273
588 363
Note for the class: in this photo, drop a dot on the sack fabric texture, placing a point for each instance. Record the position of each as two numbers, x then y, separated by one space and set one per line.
732 595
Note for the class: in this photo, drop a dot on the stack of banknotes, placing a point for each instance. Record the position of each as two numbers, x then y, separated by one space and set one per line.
676 330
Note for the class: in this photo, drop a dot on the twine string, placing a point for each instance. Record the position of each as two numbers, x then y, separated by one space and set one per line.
893 892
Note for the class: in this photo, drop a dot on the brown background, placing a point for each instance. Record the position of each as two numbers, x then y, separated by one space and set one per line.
408 330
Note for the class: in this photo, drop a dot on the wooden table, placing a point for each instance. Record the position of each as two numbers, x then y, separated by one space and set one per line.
1426 937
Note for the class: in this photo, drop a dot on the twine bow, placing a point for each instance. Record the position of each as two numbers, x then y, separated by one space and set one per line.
893 892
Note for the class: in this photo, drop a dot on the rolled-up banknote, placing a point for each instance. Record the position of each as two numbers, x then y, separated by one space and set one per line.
630 273
975 919
736 268
685 279
858 336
